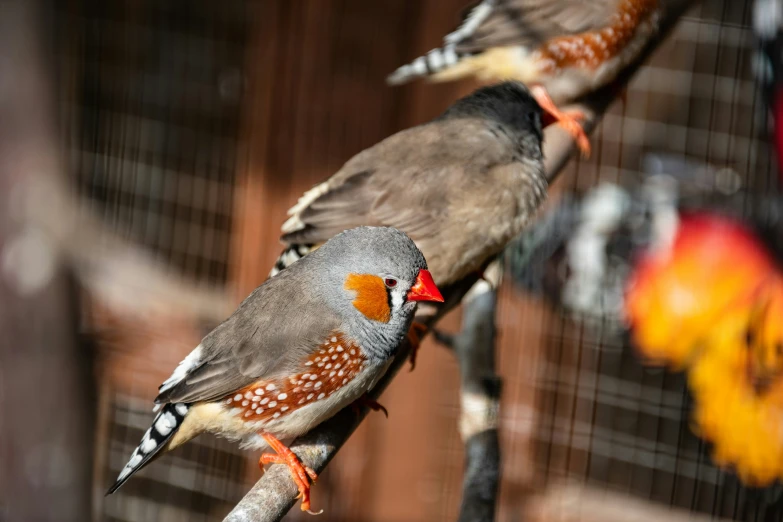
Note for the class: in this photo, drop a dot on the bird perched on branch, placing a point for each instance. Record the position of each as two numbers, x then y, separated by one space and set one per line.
563 49
301 347
461 186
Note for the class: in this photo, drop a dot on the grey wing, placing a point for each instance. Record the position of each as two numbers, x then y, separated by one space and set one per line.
528 23
268 335
407 181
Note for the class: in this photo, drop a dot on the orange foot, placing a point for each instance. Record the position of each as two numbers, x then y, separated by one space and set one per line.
415 334
374 405
569 120
301 474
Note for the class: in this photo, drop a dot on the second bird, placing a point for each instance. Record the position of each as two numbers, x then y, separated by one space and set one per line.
460 186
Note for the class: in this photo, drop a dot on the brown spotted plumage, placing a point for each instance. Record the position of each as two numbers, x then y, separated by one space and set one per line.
331 366
592 48
567 48
301 347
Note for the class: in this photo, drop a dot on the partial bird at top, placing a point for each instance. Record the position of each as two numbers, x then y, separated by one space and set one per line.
563 49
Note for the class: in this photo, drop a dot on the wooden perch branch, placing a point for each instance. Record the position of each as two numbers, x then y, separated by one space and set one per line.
274 494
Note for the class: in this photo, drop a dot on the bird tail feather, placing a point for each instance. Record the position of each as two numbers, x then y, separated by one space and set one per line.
440 64
436 64
164 426
290 255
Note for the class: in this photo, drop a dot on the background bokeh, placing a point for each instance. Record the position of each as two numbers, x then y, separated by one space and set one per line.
192 126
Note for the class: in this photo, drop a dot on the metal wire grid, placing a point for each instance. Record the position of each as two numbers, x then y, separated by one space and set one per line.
158 111
155 121
152 124
603 417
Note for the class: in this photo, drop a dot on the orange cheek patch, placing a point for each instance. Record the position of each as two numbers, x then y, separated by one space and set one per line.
371 297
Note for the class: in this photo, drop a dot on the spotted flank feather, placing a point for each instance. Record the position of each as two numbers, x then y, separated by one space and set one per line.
165 425
290 256
447 56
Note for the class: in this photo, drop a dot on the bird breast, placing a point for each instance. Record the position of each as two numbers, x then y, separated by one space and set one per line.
337 373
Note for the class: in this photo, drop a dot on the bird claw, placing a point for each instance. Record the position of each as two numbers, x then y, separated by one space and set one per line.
374 405
299 472
569 120
415 334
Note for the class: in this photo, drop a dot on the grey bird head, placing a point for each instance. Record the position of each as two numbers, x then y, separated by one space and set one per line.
509 104
373 278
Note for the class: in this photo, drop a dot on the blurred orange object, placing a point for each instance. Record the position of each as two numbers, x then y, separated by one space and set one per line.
711 302
678 292
740 418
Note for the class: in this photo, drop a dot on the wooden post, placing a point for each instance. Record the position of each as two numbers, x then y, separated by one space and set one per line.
46 381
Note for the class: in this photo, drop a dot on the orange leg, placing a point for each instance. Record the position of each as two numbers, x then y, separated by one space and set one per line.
301 474
374 405
569 120
414 337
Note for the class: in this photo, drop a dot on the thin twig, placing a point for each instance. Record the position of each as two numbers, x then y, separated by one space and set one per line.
274 494
474 348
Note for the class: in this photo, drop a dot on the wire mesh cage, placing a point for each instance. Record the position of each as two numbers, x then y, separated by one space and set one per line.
604 418
158 115
153 123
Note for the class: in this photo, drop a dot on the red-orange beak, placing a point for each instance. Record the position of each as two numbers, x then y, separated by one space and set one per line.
424 289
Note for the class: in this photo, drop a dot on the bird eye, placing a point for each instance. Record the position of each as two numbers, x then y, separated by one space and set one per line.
390 282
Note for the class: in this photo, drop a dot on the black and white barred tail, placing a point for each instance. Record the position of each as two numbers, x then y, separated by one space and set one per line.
166 423
435 61
440 59
290 255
